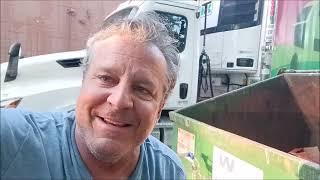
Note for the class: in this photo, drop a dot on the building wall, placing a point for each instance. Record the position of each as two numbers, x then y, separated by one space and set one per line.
50 26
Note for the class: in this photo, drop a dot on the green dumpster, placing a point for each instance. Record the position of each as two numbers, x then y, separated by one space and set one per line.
247 133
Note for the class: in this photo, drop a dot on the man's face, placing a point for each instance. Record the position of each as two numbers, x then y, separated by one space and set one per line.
121 97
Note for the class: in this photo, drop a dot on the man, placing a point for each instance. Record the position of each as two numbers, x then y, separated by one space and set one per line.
129 72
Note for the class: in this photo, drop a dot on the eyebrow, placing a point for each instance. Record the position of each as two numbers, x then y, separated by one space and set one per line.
111 70
146 82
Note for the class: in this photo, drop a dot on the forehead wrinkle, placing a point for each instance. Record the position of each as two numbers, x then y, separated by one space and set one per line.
117 49
130 56
130 59
110 63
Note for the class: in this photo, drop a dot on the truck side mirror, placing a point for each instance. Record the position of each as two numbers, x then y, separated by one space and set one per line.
12 69
14 49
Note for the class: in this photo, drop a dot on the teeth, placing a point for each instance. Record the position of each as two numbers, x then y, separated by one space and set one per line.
115 123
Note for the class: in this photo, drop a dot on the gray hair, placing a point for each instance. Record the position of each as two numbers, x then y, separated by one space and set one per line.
146 27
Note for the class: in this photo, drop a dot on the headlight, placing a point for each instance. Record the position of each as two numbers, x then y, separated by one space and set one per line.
11 103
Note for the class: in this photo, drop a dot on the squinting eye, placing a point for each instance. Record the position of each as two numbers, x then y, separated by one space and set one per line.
106 79
142 90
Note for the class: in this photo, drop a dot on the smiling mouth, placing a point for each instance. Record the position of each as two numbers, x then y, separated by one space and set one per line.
116 124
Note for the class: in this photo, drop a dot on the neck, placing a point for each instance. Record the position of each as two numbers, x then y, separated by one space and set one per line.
99 169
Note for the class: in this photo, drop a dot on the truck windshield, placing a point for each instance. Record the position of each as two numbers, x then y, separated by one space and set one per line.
177 27
244 13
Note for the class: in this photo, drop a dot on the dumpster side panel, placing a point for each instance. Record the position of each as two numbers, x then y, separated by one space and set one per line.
258 113
273 163
247 133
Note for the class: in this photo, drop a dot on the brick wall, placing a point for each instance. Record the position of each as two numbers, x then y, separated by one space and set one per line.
50 26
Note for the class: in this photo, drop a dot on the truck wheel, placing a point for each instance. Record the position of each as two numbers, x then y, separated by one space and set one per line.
294 62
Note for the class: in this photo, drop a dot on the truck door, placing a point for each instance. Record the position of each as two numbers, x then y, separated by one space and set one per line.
180 20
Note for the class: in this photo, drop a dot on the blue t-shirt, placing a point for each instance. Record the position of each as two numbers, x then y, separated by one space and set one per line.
42 146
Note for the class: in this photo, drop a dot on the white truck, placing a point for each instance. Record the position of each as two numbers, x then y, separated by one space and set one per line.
223 45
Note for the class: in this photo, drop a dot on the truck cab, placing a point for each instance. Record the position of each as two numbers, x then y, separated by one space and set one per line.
44 82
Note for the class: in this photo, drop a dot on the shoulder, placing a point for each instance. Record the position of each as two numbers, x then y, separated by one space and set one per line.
18 123
28 137
14 113
11 117
163 155
20 116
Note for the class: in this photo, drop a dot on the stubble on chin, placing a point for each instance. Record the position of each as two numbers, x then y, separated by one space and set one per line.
102 149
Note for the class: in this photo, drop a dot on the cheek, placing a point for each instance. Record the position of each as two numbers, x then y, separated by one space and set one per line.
92 95
147 114
88 99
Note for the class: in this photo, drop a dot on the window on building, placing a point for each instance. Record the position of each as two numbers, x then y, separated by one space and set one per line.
316 46
299 34
304 14
300 27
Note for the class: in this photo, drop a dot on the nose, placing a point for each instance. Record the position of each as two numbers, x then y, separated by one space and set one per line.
120 97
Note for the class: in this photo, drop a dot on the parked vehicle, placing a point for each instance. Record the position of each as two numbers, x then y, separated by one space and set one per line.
224 45
220 44
41 82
